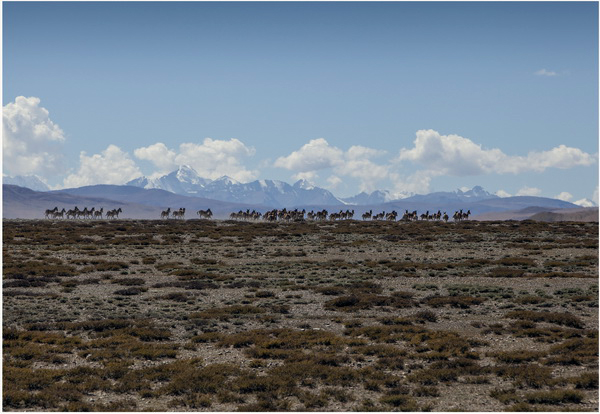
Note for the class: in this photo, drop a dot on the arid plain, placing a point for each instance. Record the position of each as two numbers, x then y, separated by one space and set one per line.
179 315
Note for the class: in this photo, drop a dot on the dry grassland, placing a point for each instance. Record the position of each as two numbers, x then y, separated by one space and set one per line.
225 316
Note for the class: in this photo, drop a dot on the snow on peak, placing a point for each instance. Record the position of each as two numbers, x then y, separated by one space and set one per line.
397 196
186 173
186 167
304 184
475 192
226 180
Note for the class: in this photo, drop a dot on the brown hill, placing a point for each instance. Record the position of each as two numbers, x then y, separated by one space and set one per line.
583 214
542 214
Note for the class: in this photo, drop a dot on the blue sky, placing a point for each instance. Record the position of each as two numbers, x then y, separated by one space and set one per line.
353 96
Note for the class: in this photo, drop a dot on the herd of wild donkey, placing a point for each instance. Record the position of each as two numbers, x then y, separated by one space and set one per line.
273 215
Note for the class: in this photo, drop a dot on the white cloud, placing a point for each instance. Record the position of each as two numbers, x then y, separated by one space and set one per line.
529 191
159 155
564 196
314 156
356 162
450 154
112 166
544 72
562 157
31 142
584 202
458 156
503 194
211 159
309 176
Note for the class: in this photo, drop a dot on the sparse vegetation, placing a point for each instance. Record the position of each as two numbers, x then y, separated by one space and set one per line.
316 316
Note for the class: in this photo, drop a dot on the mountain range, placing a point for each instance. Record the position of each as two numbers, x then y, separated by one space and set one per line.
28 181
184 188
186 181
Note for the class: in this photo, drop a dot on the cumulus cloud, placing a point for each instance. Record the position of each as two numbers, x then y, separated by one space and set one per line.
562 157
458 156
31 142
112 166
564 196
319 155
357 164
450 154
584 202
159 155
211 159
503 194
314 156
529 191
544 72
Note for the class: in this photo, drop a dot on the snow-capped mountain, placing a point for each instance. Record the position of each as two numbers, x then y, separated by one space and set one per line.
186 181
376 197
477 193
28 181
304 184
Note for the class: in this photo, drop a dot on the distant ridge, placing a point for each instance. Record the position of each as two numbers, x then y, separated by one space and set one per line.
28 181
138 202
269 194
543 214
589 214
20 202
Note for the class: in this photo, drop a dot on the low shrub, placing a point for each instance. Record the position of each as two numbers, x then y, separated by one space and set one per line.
586 381
130 291
505 272
574 351
425 316
366 301
517 356
516 261
555 397
227 312
129 281
454 301
531 375
176 297
566 319
505 396
425 391
400 402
